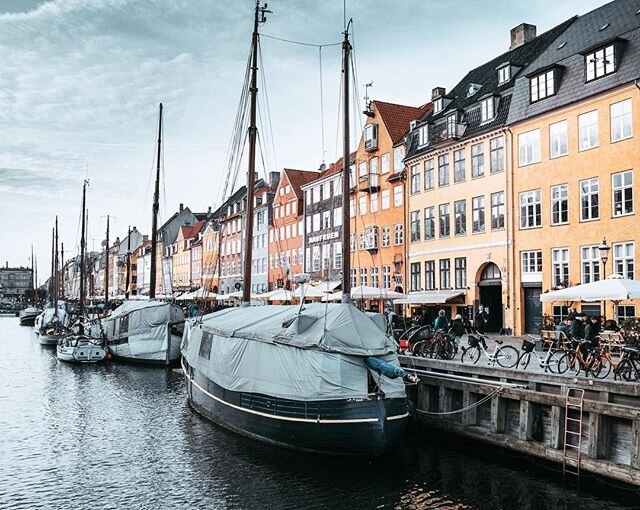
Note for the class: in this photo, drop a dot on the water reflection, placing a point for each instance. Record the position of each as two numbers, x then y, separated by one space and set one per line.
120 436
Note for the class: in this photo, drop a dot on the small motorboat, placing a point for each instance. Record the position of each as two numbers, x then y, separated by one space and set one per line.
77 348
28 316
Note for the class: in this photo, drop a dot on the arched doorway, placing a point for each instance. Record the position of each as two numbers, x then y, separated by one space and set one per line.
491 296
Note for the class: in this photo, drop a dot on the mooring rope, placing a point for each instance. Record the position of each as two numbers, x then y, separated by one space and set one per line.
475 404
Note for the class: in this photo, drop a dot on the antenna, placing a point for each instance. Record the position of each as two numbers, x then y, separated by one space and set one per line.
367 103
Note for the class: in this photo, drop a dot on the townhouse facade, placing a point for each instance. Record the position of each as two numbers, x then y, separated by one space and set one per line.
458 190
186 255
286 231
262 218
377 202
210 254
15 283
232 220
576 153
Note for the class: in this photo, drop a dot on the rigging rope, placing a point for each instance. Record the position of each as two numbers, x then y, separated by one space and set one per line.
471 406
301 43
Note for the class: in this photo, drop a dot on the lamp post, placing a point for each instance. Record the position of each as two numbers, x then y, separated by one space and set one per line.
604 256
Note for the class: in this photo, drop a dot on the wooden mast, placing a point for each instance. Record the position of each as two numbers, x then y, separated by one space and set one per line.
55 271
106 271
62 272
53 259
33 279
82 246
346 181
126 284
259 17
154 218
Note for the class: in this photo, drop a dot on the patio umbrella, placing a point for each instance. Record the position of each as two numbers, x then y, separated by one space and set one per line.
276 295
336 296
309 291
614 288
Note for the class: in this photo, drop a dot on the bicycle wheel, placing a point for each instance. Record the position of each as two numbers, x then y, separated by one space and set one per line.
566 362
471 355
623 371
600 368
524 360
507 356
553 362
448 351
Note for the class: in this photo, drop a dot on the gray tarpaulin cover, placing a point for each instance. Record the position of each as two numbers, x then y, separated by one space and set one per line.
317 354
144 323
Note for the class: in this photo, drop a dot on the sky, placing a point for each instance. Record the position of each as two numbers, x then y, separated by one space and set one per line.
81 80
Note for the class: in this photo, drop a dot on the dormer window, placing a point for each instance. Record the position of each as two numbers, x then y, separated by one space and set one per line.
487 109
452 124
437 105
370 137
423 135
473 89
600 62
504 74
542 85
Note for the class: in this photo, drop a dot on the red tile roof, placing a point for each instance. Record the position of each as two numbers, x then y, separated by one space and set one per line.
336 167
298 178
190 231
396 117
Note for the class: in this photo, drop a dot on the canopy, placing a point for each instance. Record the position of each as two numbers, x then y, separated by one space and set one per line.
364 292
614 288
276 295
233 295
335 297
429 298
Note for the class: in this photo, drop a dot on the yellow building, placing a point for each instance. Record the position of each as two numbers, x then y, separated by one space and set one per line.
458 171
182 258
210 243
576 153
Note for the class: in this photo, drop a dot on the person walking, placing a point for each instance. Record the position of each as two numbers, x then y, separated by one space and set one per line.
441 322
456 329
481 320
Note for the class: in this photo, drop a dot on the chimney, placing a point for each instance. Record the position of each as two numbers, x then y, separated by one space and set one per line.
438 92
181 207
274 179
522 34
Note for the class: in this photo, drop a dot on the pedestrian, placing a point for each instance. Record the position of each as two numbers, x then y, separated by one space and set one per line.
577 327
457 330
441 322
481 320
591 330
424 318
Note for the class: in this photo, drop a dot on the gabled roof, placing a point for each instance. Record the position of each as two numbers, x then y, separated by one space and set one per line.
397 117
298 178
336 167
191 231
618 19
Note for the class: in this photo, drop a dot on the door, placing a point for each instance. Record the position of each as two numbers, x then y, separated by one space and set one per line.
491 300
532 310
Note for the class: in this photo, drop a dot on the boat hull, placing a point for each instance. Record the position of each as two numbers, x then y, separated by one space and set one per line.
28 321
121 350
87 353
45 339
356 427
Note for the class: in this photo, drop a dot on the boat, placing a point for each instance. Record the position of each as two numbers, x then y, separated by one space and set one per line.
320 378
28 316
147 332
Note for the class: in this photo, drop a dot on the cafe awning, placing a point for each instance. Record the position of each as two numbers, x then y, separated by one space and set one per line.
435 297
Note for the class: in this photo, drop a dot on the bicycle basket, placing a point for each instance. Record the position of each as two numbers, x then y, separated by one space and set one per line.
528 346
473 341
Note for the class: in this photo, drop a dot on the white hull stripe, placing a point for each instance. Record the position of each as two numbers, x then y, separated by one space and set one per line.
286 418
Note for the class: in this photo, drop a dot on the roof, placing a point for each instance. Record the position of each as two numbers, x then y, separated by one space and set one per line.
396 117
333 169
485 77
191 231
586 32
298 178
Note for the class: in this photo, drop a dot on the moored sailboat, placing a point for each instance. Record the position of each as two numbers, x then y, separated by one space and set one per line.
321 378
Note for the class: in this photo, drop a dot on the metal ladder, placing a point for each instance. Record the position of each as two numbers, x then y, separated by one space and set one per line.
572 428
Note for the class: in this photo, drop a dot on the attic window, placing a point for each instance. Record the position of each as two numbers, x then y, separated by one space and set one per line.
542 85
603 27
423 135
504 74
487 109
600 62
437 105
562 45
473 89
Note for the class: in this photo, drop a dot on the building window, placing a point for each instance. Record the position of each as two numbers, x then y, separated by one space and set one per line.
326 222
364 280
362 205
460 217
386 277
429 174
589 199
352 208
558 145
429 224
624 312
429 275
352 241
458 166
542 85
385 163
621 120
415 179
385 199
415 276
504 74
386 237
590 258
487 109
316 258
624 259
316 225
560 313
337 217
497 210
560 204
496 147
362 171
529 147
375 277
443 170
477 160
530 209
588 130
370 137
354 278
398 156
423 135
560 267
445 221
600 63
477 214
622 186
445 273
461 272
398 234
415 226
437 105
374 202
452 125
531 261
397 196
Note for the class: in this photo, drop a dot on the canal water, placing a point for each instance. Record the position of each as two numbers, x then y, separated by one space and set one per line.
118 437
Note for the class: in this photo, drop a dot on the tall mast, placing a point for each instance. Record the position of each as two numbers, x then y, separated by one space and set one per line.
154 218
62 273
126 284
106 270
33 279
82 245
259 17
53 260
346 184
55 271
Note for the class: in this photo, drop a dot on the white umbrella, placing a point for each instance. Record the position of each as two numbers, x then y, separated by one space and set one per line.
309 291
276 295
364 292
336 296
233 295
614 288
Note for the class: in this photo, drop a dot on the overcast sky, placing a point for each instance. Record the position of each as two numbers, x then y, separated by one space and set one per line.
80 83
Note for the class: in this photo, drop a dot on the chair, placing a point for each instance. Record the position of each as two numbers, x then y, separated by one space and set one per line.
548 339
613 340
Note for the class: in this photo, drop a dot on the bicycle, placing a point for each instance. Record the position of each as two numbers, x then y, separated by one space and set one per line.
549 361
629 365
441 346
575 360
504 355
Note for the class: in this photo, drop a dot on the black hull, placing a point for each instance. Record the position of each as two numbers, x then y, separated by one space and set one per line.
27 321
145 362
367 427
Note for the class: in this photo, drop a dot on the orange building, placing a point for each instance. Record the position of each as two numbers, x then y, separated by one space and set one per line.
378 198
286 232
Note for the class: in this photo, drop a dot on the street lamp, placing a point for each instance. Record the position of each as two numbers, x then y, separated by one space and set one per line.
604 256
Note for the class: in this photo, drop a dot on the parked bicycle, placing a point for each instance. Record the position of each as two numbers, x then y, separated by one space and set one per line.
584 357
628 368
413 339
550 360
440 346
504 355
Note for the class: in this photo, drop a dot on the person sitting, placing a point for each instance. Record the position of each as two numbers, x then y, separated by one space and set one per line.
591 330
441 322
577 327
611 325
563 328
456 329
